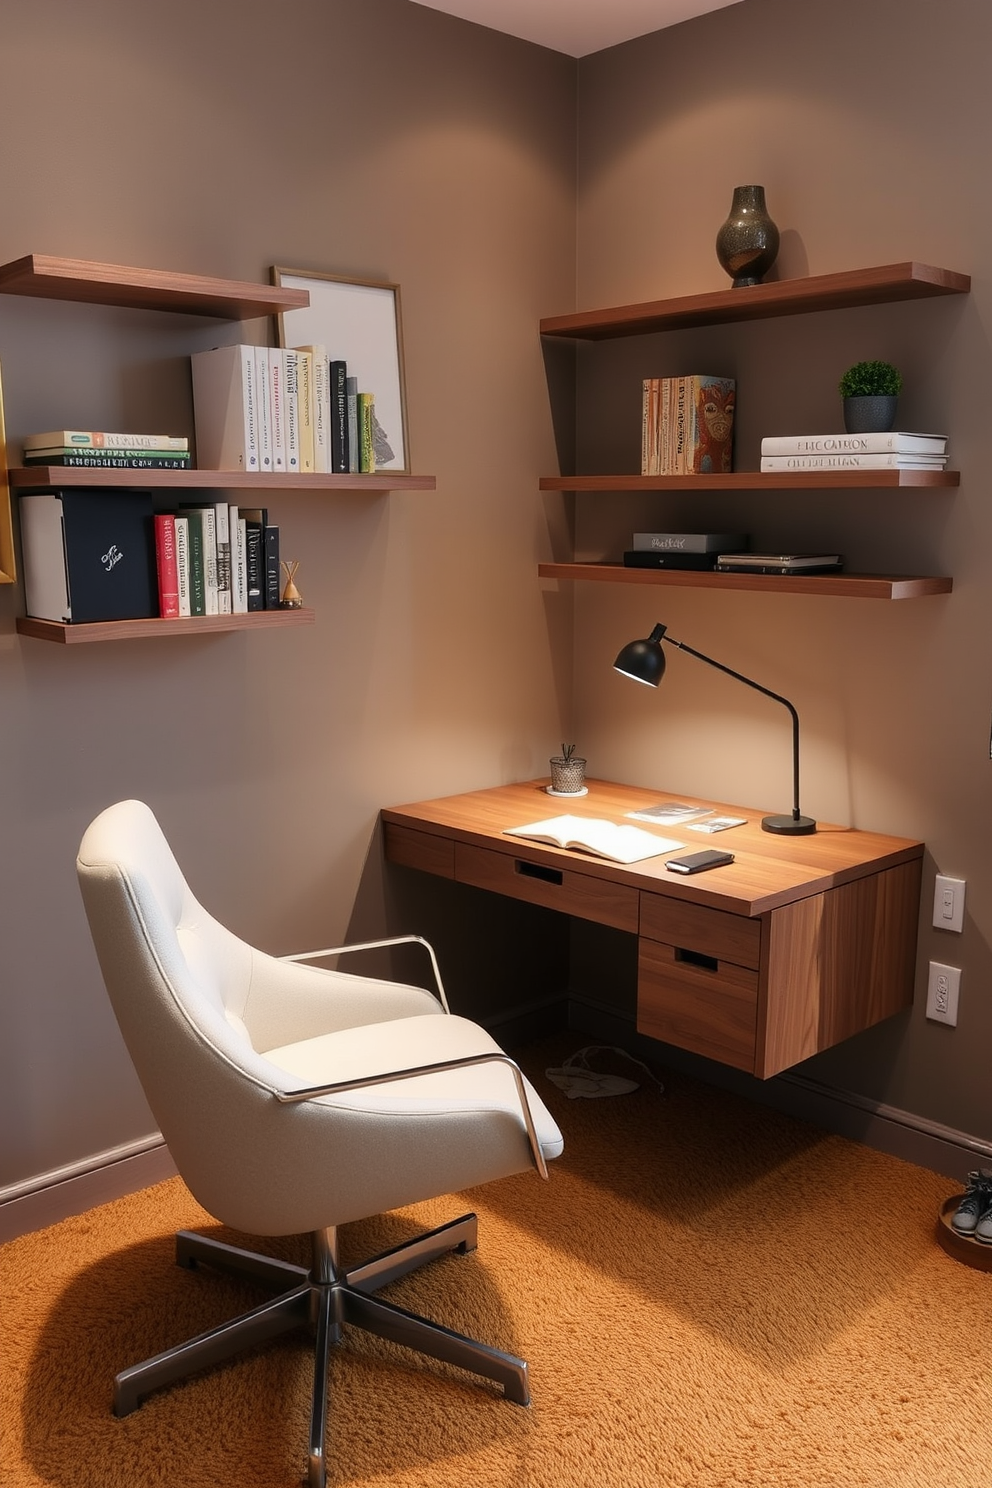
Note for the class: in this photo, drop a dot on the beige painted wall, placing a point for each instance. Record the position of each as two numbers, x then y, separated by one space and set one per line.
387 139
380 139
868 122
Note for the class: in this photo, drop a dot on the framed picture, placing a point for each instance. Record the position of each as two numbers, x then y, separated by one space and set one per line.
357 321
8 567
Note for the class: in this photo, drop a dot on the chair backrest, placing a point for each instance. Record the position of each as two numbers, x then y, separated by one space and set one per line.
198 1008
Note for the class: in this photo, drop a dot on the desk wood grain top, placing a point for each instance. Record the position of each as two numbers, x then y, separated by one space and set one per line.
768 870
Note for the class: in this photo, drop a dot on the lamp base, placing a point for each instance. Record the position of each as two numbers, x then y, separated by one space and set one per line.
789 826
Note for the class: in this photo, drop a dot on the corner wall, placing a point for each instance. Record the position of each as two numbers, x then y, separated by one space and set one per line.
381 140
868 123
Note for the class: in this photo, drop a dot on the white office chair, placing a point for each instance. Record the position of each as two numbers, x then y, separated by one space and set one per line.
295 1099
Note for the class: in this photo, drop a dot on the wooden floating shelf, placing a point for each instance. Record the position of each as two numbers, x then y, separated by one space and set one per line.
123 630
59 477
757 480
48 278
882 285
840 585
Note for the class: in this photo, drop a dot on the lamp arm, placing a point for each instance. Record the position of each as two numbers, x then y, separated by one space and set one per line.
776 696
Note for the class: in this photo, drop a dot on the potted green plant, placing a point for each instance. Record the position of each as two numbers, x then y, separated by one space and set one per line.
870 391
568 773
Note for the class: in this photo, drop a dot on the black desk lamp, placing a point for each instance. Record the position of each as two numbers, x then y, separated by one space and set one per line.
644 661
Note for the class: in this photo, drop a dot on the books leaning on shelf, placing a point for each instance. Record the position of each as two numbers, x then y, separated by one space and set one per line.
898 442
687 425
281 410
603 839
216 560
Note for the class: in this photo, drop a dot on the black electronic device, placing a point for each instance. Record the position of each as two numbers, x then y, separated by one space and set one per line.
698 862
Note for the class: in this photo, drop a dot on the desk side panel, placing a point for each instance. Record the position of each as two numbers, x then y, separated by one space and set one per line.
837 963
427 851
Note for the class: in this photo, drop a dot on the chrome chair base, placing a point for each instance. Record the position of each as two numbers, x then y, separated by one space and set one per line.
322 1300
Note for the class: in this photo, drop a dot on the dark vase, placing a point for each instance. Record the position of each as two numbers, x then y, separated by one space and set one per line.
870 414
747 242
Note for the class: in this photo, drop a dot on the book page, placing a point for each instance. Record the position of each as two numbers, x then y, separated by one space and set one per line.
605 839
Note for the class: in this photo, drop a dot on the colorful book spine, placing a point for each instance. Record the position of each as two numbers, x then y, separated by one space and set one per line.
304 384
182 563
255 519
354 443
687 425
109 460
270 550
339 416
897 442
239 572
771 463
366 416
264 408
97 439
292 365
277 393
197 570
165 565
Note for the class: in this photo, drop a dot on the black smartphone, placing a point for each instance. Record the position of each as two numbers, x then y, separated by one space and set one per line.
698 862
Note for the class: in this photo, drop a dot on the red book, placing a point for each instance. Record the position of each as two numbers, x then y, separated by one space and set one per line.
165 566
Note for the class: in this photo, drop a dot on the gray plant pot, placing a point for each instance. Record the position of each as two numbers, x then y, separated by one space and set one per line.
875 415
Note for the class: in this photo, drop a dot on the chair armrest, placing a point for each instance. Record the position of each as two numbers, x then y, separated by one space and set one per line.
311 1092
375 945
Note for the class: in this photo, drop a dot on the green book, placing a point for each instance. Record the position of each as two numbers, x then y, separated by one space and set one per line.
197 568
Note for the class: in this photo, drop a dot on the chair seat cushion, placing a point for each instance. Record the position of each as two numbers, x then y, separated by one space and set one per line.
406 1043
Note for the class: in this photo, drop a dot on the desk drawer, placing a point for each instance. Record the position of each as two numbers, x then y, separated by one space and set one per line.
698 1003
554 887
728 937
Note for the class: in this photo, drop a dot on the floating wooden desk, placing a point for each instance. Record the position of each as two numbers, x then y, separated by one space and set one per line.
797 944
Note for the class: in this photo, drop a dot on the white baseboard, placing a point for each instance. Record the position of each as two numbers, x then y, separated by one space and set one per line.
51 1197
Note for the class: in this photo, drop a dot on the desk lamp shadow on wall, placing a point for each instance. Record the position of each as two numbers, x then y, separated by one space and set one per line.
644 661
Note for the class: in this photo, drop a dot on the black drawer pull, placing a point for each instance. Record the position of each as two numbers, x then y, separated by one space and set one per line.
538 870
696 958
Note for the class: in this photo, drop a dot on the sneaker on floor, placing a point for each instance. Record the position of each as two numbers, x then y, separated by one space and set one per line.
975 1207
983 1229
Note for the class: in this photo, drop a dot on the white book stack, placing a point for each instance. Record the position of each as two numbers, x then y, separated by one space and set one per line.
897 450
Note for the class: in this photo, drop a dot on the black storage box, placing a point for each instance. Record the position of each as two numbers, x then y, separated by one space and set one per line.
88 555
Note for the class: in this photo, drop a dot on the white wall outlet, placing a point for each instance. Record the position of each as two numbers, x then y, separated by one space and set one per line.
943 988
948 903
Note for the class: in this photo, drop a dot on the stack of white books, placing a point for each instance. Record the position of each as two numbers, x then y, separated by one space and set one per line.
897 450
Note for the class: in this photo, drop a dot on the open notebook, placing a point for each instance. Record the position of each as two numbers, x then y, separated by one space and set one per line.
604 839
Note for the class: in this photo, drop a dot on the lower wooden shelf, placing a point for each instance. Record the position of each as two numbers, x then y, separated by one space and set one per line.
841 585
123 630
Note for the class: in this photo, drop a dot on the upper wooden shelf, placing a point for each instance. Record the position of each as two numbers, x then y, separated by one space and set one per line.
878 286
756 480
839 585
63 477
50 278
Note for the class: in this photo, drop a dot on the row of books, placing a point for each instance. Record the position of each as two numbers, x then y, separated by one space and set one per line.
687 425
216 560
722 552
96 448
897 450
273 409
